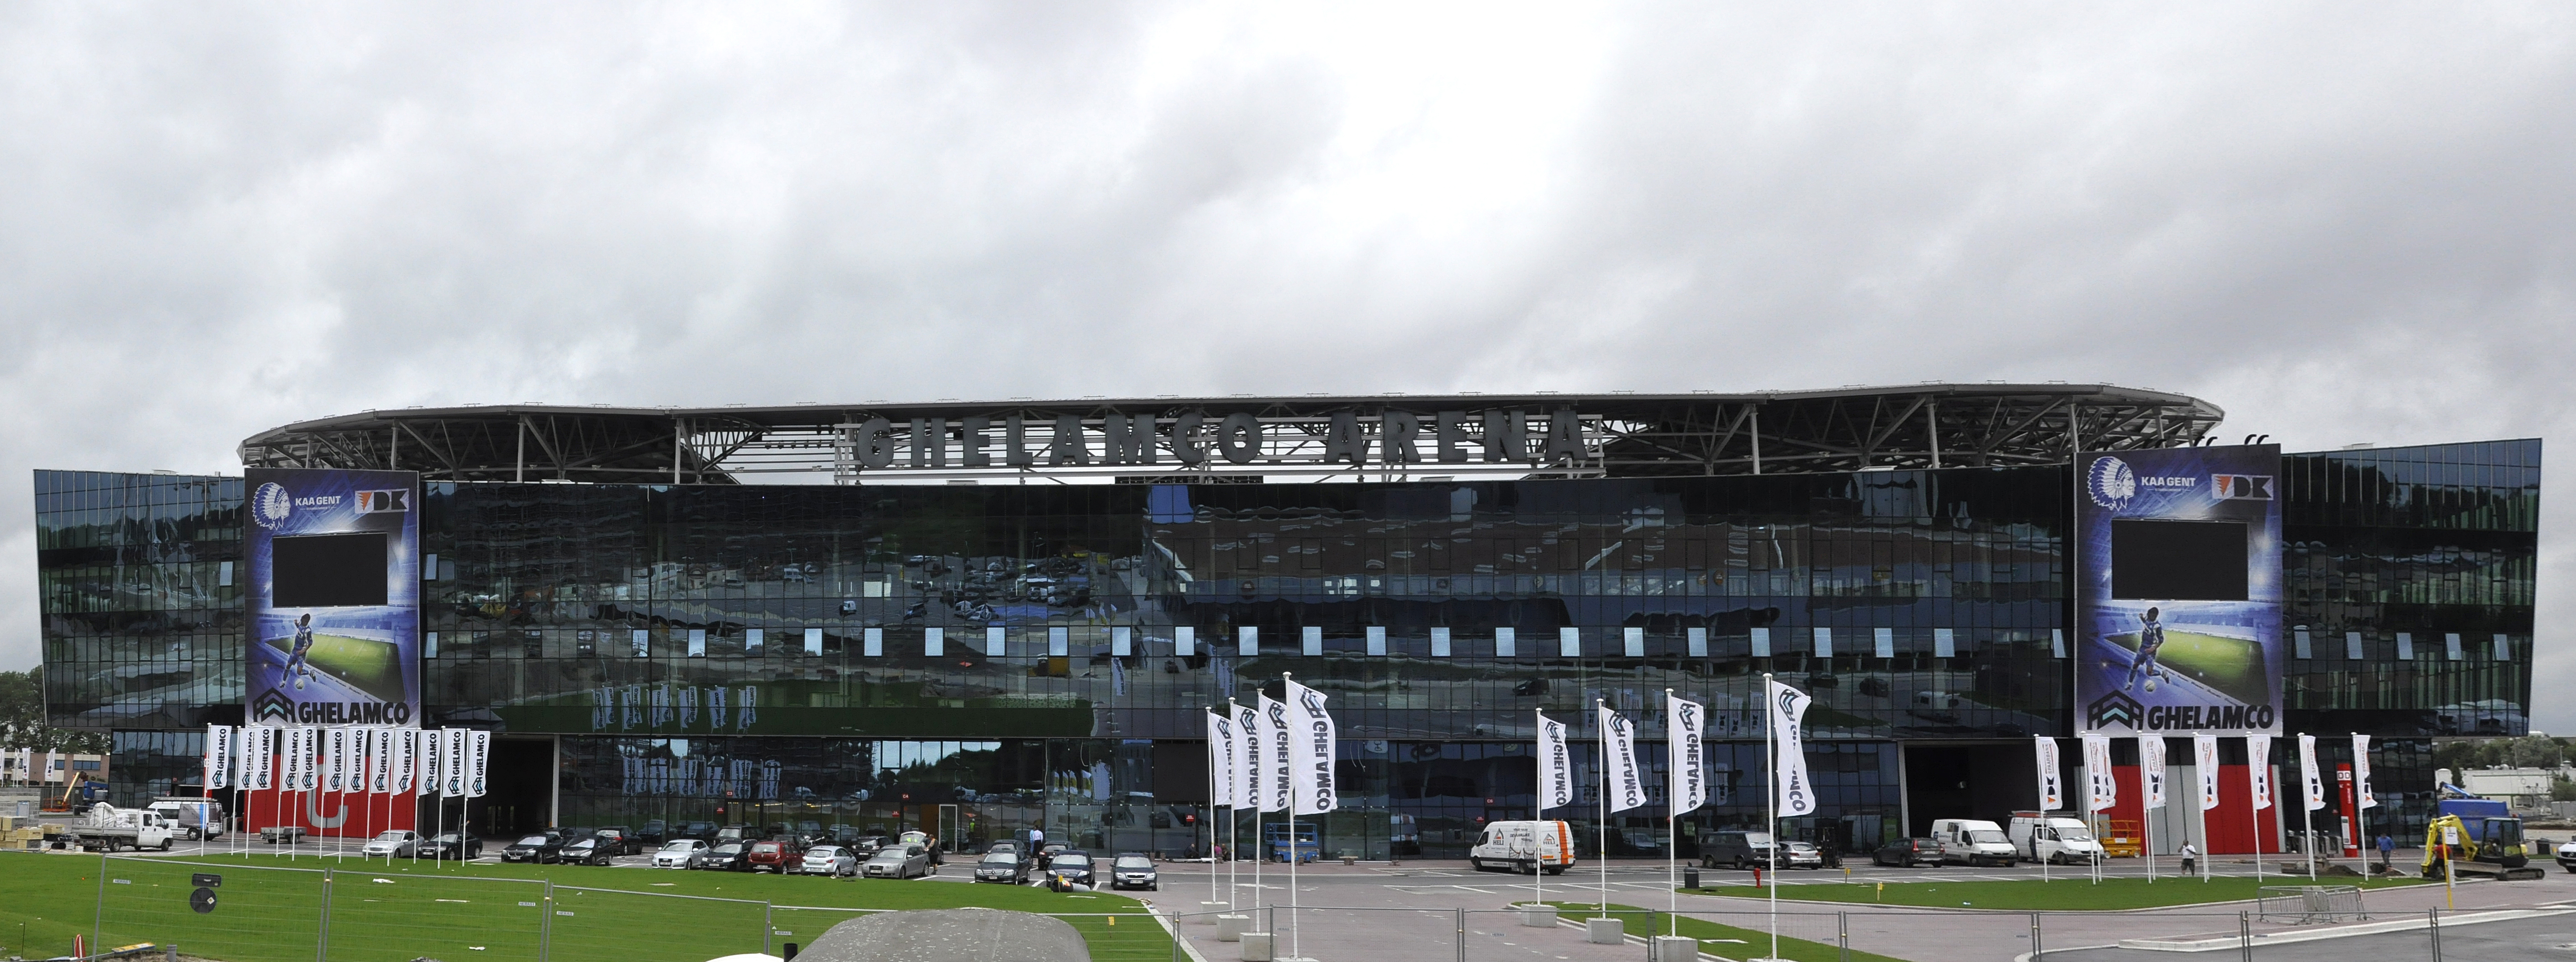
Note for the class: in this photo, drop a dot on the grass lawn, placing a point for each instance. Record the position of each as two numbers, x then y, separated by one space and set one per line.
271 910
2032 895
1725 940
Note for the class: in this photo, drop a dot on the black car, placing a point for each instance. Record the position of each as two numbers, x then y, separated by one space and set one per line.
1002 865
702 831
1072 865
619 840
534 849
723 858
445 846
651 835
595 850
1909 852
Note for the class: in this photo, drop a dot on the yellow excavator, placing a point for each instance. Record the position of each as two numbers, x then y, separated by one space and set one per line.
2478 837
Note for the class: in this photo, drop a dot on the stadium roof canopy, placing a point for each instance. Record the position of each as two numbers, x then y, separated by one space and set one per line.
1238 438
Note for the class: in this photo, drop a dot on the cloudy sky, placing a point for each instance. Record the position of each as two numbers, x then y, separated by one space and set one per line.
2343 223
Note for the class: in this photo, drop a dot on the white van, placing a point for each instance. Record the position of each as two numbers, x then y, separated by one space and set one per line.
1968 841
1524 847
201 818
2039 836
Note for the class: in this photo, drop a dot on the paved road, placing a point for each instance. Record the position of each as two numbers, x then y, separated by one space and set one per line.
2520 940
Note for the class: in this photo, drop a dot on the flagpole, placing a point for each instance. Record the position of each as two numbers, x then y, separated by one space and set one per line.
2308 790
1672 839
1601 827
2254 815
2360 812
1212 797
1296 930
1771 760
1538 879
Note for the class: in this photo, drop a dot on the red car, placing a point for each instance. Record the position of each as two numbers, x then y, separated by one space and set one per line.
773 855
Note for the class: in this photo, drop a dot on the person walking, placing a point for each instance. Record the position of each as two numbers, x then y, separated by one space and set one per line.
2387 846
2190 859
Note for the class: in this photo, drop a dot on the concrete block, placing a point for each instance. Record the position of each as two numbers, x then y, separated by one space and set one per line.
1229 928
1603 931
1207 913
1675 948
1538 916
1256 947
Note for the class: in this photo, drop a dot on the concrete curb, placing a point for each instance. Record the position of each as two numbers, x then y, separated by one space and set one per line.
2335 932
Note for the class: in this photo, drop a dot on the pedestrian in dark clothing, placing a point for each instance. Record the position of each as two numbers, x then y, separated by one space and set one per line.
2386 846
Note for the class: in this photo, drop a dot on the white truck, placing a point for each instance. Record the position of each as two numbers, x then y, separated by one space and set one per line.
193 817
1524 847
2041 837
1968 841
110 828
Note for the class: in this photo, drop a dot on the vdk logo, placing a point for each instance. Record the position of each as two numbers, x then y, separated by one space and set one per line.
2110 483
2115 708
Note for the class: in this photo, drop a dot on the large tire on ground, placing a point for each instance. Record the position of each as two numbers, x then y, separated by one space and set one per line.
1479 864
165 845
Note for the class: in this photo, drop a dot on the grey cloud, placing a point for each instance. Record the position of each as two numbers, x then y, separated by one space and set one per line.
2342 225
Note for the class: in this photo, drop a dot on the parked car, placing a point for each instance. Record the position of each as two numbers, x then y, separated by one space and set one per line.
720 858
828 860
595 850
1134 871
843 834
736 832
534 849
2566 853
626 843
392 843
1072 865
1736 848
1002 865
1801 855
771 854
899 861
653 833
702 831
1909 852
678 853
454 845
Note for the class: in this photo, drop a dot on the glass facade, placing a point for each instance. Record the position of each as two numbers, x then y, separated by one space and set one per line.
1043 655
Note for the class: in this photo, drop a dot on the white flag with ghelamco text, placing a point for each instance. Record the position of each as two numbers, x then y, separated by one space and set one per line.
219 757
1249 750
2204 765
1788 710
1275 791
1311 743
1686 783
2258 768
1221 757
1624 786
1555 765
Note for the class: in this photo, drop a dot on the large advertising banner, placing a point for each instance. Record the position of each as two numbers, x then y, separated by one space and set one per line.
2178 591
333 599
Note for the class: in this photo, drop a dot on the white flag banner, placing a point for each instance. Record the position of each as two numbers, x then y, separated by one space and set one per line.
1555 765
1311 749
2052 786
1249 750
2316 784
2101 790
478 753
299 759
1621 783
2361 773
330 761
1788 708
451 762
2258 768
2204 764
405 753
1221 756
430 756
381 771
349 758
259 758
1686 784
2151 769
1275 791
219 758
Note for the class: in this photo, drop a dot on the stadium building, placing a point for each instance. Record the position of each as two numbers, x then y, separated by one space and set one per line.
987 617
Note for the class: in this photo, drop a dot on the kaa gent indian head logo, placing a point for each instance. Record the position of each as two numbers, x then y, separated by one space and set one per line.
270 505
2114 709
2110 483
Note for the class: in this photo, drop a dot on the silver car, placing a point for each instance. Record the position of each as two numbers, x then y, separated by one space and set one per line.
393 843
899 861
827 860
678 854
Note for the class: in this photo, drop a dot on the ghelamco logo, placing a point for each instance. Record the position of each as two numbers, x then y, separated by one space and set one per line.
2114 709
2110 483
270 505
272 705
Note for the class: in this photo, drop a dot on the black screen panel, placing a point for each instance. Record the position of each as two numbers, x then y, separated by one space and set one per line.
328 570
2178 560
